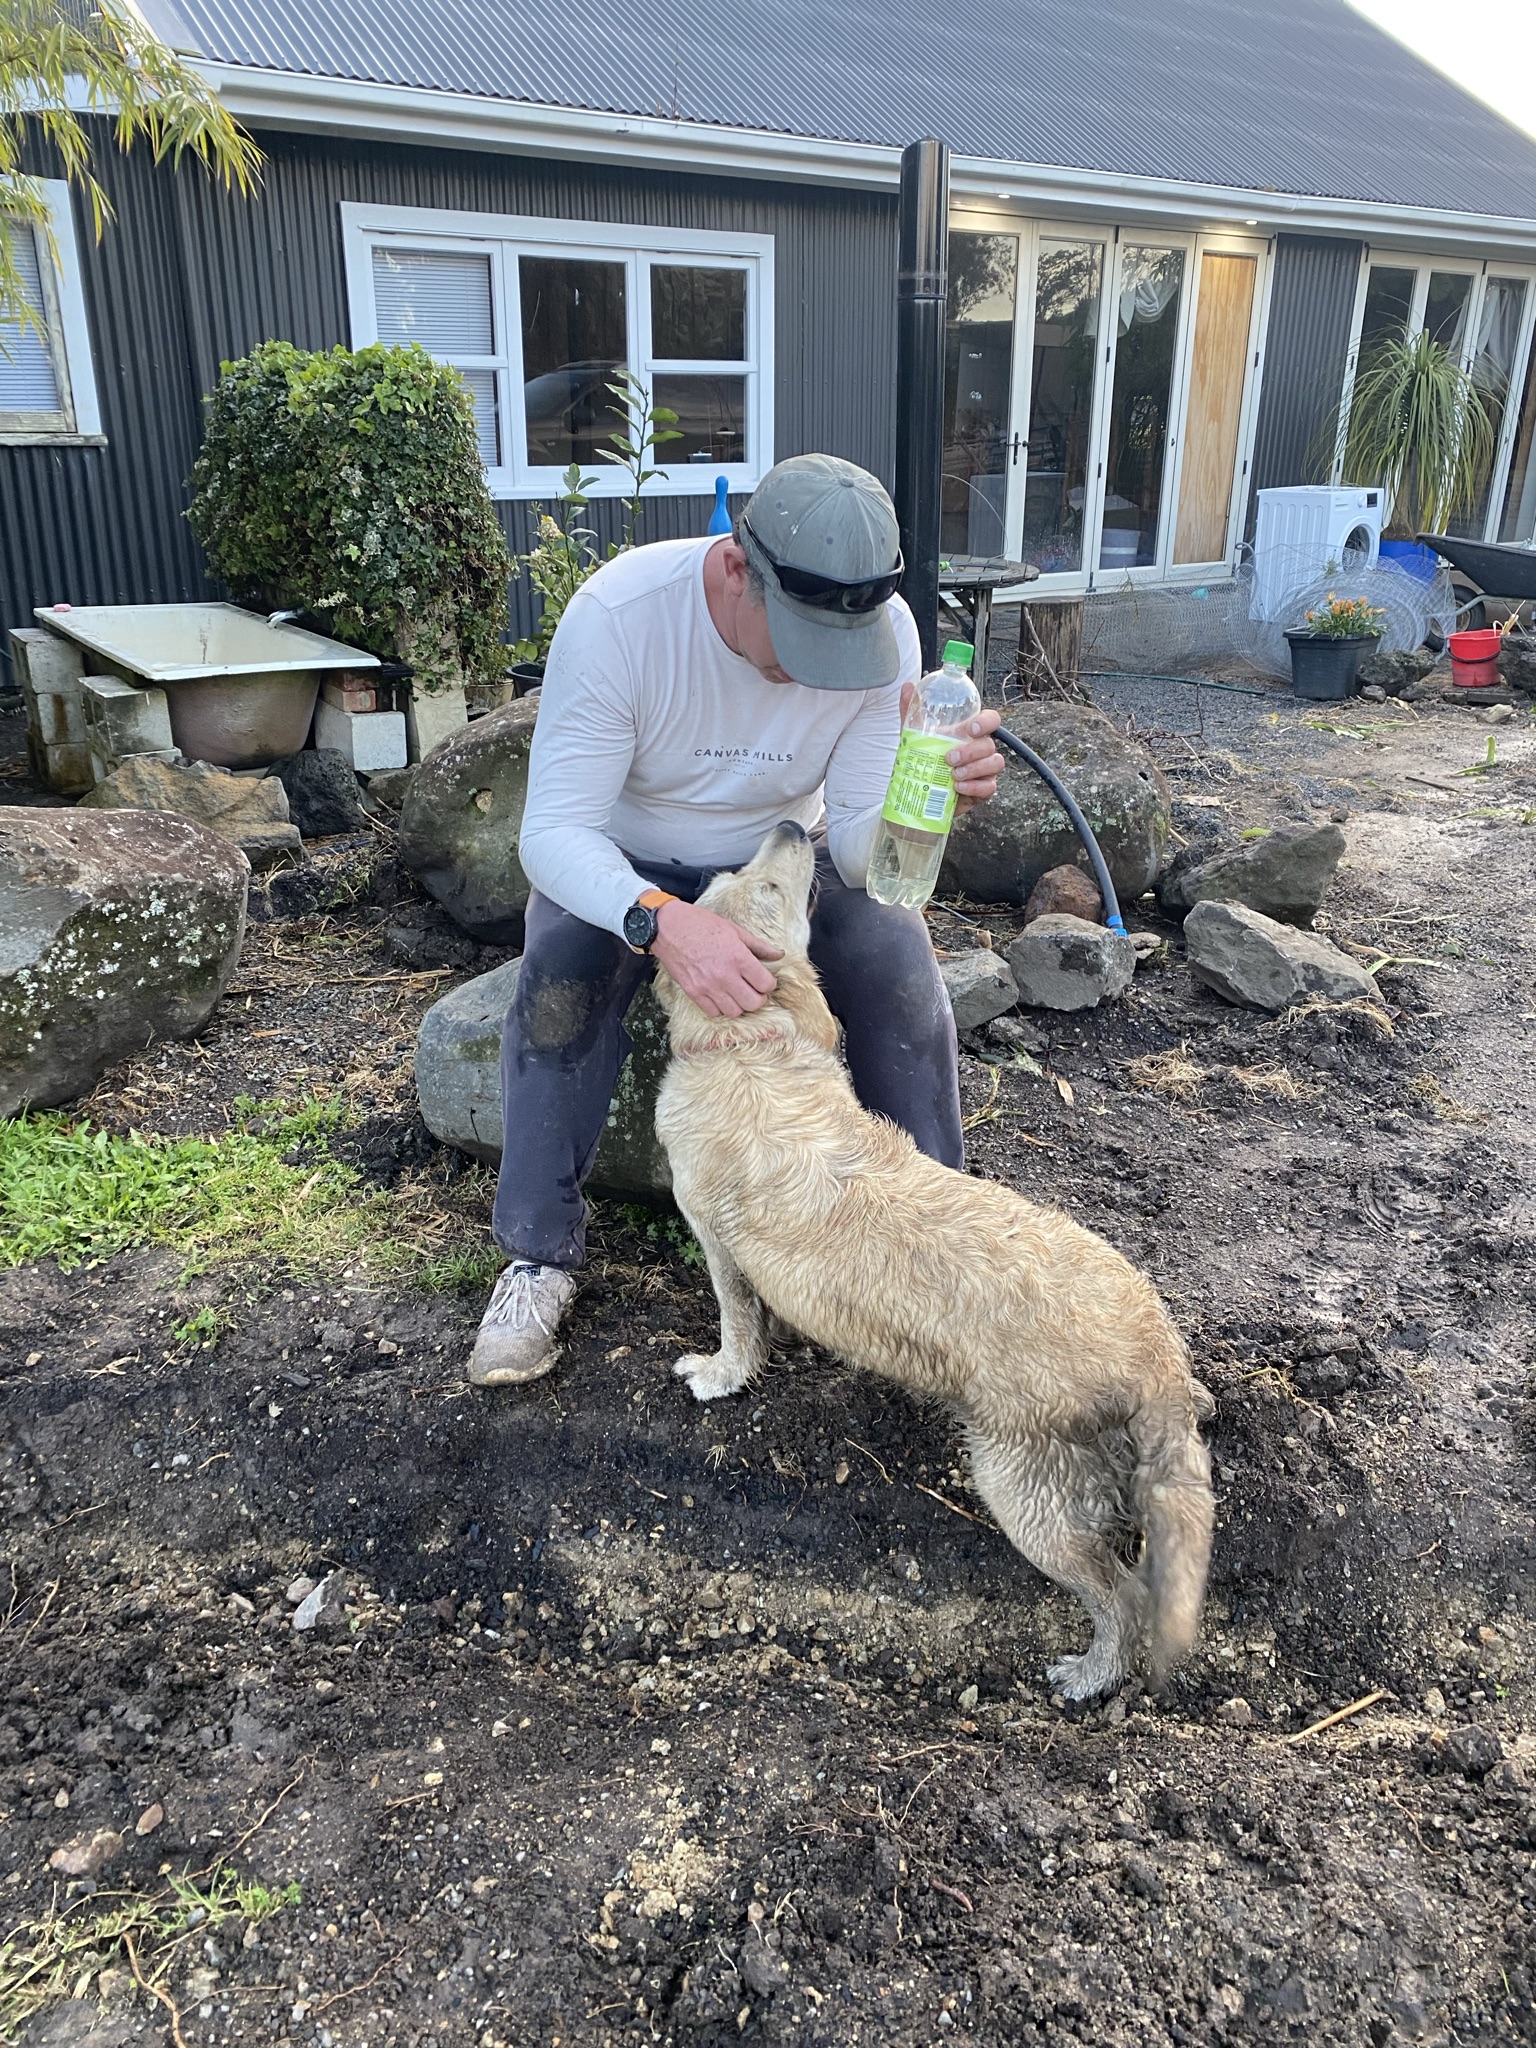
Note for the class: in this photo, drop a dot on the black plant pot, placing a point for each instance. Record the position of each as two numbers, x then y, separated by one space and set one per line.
526 676
1324 669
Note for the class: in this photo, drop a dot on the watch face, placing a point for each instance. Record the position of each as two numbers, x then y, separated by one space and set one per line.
640 926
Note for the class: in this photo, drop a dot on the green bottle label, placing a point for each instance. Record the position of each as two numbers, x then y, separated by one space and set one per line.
922 791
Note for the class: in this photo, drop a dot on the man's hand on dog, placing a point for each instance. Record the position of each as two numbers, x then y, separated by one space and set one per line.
716 963
976 761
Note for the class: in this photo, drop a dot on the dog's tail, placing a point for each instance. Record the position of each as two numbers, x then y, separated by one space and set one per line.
1171 1499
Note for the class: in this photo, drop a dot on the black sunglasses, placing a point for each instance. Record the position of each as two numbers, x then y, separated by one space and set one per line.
829 593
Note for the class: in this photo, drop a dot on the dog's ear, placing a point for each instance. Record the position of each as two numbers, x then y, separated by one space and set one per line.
799 993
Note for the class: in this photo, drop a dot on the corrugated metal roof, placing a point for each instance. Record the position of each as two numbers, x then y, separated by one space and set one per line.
1303 97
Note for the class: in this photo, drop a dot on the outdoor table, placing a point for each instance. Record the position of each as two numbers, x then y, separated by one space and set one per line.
968 582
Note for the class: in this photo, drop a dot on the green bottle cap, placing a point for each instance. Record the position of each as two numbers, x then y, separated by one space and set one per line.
960 653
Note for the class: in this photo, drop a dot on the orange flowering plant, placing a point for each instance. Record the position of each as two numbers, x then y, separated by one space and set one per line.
1347 618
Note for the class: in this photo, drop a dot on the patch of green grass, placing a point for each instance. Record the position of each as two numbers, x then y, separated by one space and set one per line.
58 1957
203 1329
72 1193
470 1269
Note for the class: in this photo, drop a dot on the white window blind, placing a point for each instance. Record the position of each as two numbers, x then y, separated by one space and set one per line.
28 380
442 300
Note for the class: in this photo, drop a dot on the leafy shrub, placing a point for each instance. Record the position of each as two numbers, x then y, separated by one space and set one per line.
351 484
1347 618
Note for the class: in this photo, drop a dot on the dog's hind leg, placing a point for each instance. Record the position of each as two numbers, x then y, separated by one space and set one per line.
743 1328
1057 1504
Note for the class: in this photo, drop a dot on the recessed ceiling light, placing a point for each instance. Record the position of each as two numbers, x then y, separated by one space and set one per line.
1250 223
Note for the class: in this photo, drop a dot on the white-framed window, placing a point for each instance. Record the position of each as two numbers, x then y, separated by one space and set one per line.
47 380
1485 314
537 315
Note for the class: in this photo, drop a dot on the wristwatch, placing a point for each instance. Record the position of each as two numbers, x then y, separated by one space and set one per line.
640 920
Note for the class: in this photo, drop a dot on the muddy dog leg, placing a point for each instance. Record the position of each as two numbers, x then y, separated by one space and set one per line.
1055 1503
743 1328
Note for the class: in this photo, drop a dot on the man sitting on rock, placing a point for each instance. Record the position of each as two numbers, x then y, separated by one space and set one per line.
697 692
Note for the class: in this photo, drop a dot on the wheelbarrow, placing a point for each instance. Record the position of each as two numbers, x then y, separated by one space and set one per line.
1499 568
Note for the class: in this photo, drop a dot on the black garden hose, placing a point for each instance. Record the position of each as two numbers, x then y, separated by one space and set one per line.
1080 825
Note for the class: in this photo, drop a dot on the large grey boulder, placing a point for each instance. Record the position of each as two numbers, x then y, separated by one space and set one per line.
1064 963
1255 960
458 1082
116 928
460 820
1284 875
980 986
999 851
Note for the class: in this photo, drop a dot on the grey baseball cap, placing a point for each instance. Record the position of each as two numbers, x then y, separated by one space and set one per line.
826 518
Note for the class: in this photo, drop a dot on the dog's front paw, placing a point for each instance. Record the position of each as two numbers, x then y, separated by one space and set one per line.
710 1378
1086 1677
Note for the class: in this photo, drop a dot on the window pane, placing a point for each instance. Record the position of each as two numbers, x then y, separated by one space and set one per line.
1493 358
978 379
1445 309
1061 402
440 299
27 379
1519 518
1151 281
711 417
698 315
574 338
1388 302
482 391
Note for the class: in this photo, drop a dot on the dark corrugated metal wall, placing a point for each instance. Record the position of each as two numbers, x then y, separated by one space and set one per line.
1311 308
188 276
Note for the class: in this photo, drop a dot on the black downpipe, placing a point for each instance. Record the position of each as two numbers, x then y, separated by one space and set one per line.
922 291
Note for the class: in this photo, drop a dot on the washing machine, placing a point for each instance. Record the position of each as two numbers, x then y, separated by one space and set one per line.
1303 530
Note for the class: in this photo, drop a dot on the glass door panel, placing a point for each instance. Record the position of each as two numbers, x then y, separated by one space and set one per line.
1151 284
1388 305
978 383
1445 308
1214 410
1069 279
1493 361
1518 520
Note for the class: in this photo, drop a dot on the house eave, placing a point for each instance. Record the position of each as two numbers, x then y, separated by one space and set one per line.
394 113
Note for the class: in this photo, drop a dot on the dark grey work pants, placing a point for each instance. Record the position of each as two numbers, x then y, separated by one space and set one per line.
564 1044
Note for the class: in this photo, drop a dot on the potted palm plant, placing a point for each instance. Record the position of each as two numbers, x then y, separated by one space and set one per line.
1421 427
1326 654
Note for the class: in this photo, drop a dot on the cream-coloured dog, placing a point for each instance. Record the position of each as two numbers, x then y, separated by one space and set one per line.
1059 1357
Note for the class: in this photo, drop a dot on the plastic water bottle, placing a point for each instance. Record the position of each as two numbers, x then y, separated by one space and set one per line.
919 806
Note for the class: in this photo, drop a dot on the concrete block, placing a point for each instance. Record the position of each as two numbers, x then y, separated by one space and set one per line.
65 768
122 721
371 740
431 719
45 663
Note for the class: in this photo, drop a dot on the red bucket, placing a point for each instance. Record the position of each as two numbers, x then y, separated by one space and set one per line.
1475 659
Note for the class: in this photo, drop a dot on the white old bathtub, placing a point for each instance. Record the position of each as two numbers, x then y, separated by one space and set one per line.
241 692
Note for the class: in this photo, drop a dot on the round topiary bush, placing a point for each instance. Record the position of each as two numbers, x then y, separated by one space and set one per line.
350 483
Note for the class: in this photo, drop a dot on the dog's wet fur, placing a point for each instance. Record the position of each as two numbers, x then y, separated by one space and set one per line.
1073 1386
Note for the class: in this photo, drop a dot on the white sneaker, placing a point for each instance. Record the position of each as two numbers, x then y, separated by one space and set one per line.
517 1331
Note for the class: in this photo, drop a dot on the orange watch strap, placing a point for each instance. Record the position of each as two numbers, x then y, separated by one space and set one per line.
653 899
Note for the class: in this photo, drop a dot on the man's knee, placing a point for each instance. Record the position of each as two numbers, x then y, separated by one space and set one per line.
858 943
571 981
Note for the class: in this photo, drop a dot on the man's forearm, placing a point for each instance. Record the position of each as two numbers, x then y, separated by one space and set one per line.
583 872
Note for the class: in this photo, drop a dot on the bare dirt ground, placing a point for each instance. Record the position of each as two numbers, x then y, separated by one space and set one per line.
652 1723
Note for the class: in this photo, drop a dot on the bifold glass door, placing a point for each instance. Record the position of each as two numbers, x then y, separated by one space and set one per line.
1485 315
1098 399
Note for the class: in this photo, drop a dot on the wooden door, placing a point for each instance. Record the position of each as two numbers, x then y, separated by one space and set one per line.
1213 420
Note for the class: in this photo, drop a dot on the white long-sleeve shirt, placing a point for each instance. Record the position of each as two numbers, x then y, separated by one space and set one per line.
654 737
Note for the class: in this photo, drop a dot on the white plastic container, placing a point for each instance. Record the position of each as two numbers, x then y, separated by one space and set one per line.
1304 530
